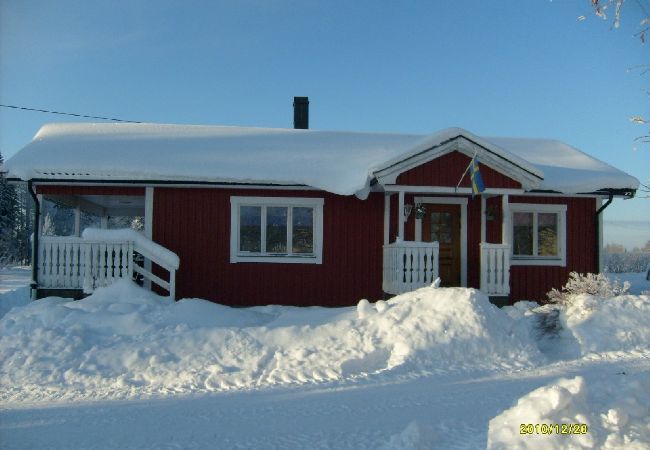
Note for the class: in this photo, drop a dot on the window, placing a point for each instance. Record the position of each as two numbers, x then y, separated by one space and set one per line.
276 229
538 234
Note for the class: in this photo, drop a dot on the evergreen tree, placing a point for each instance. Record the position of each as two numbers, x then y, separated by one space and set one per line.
9 248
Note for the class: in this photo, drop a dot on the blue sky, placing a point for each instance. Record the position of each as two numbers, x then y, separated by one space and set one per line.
497 68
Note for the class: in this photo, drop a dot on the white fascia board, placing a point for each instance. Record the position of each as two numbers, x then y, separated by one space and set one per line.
497 159
450 190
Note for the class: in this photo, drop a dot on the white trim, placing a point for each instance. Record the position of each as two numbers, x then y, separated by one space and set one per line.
561 195
400 216
148 212
77 220
172 184
560 210
505 220
41 216
148 228
449 190
483 219
462 201
290 202
489 155
387 219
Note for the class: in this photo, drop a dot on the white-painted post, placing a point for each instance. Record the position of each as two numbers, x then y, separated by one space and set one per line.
77 220
505 219
148 227
400 216
104 222
483 218
41 217
387 219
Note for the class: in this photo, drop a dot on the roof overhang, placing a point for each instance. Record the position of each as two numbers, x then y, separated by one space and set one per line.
507 164
626 193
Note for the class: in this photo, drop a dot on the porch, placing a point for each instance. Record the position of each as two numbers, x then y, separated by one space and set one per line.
438 241
72 263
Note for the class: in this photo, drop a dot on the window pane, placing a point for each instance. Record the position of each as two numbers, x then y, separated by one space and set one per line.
250 229
547 244
276 230
441 227
303 230
522 223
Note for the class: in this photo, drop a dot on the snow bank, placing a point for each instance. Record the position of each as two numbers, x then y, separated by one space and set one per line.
14 289
12 299
615 324
414 437
123 341
614 411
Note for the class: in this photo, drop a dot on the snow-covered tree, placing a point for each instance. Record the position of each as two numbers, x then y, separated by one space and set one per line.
8 220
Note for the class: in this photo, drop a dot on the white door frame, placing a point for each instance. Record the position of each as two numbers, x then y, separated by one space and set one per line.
462 201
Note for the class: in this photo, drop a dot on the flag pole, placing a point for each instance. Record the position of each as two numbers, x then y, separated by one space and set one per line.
465 173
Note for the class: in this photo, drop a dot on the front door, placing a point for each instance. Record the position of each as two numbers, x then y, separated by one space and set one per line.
442 223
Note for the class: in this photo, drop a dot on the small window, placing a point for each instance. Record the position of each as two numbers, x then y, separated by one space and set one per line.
538 234
276 229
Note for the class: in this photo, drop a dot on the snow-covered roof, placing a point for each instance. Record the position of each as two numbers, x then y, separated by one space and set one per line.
565 168
334 161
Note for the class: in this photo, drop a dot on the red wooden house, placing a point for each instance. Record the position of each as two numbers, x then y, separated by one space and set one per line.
303 217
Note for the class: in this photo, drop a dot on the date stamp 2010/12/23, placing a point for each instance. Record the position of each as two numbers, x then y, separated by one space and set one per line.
553 428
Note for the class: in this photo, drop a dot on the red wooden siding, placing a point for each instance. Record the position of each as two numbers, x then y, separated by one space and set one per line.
533 282
195 223
447 170
89 190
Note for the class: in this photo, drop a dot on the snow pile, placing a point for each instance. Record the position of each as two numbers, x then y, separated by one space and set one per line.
414 437
614 324
123 341
611 414
12 299
14 289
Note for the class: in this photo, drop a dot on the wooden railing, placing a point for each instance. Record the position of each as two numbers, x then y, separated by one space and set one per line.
86 264
409 265
495 269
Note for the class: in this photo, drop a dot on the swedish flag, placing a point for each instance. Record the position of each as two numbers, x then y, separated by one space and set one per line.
475 176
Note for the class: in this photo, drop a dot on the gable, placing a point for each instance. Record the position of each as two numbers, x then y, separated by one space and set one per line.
446 170
489 156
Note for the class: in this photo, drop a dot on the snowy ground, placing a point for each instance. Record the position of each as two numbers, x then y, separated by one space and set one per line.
437 368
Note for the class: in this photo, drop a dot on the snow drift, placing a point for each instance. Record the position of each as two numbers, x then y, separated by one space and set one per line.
123 341
613 324
615 412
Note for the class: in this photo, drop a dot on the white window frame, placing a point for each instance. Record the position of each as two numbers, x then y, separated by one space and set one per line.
560 210
236 256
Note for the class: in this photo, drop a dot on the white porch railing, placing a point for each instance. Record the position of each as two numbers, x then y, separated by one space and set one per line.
409 265
495 269
80 263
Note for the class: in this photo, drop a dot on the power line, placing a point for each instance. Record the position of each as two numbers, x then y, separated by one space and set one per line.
67 113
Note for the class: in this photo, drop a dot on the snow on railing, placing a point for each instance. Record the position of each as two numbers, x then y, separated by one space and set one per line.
100 257
76 263
409 265
495 269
